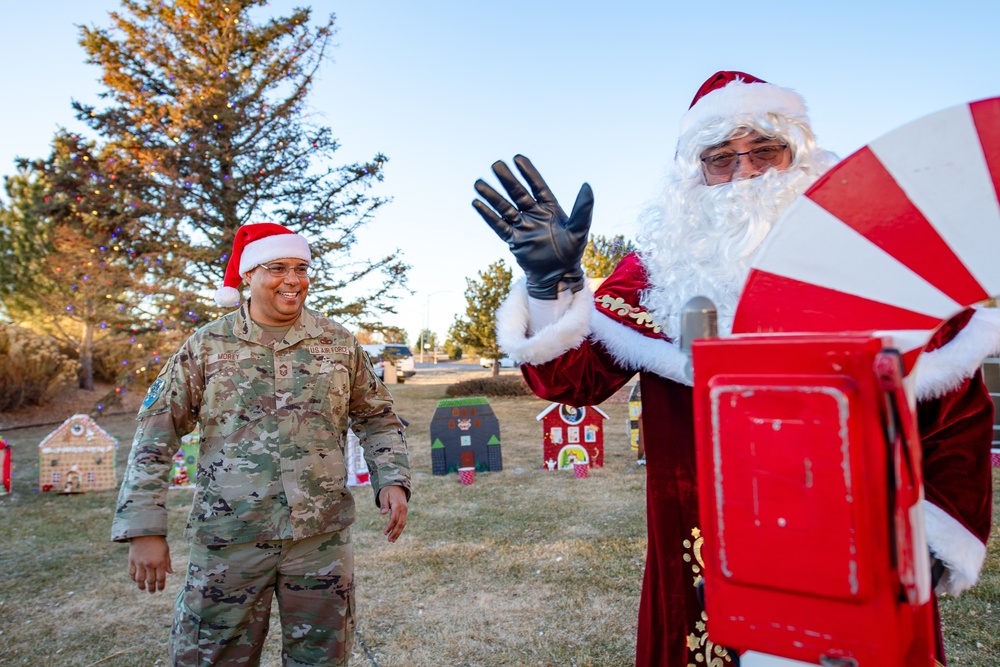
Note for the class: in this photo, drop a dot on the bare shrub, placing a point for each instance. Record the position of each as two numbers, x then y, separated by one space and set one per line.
108 361
32 368
124 363
504 385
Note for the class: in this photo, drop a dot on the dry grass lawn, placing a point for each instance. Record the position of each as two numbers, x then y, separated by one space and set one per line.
524 567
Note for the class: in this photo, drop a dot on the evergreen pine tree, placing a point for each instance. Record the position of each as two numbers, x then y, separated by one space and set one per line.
425 340
208 100
73 265
602 254
483 297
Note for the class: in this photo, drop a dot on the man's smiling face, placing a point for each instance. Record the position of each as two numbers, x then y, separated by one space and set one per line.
277 300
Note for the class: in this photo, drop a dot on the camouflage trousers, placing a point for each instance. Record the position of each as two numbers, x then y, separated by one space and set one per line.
221 616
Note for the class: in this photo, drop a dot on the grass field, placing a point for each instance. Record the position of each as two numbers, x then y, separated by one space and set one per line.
524 567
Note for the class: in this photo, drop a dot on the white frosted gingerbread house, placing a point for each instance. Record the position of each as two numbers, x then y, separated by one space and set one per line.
357 468
76 457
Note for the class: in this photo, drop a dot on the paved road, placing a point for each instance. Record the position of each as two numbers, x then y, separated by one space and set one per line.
449 371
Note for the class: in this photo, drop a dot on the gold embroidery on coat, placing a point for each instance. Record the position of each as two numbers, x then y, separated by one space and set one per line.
704 652
619 306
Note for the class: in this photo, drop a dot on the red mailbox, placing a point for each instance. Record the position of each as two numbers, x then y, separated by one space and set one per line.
810 491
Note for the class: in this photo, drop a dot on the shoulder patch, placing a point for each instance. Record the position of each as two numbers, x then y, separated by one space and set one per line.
153 392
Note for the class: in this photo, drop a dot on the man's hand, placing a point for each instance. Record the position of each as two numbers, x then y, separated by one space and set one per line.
149 562
392 501
546 244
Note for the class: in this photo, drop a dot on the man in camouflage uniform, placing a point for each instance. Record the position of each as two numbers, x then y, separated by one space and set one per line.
272 387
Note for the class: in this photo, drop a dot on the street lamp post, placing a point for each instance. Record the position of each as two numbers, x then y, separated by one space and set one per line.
427 326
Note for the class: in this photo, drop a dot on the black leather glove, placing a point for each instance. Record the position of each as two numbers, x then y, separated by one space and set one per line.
546 244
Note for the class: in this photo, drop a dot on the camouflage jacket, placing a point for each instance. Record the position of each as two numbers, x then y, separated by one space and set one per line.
273 426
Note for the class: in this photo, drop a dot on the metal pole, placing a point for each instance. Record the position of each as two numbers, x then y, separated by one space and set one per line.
699 319
425 334
427 326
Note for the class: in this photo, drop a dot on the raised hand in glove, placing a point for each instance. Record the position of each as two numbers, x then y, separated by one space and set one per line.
546 244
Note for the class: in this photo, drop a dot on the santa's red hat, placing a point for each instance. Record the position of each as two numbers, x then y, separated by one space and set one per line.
257 244
730 94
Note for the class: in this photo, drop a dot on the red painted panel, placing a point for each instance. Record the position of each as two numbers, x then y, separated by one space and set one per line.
986 116
783 456
776 303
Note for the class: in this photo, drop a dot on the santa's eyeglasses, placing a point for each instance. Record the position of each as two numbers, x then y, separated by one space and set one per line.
721 164
280 270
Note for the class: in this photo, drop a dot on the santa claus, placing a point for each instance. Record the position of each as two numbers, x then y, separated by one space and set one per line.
745 151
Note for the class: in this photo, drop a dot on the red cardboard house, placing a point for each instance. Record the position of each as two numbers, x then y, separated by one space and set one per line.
185 462
571 434
4 467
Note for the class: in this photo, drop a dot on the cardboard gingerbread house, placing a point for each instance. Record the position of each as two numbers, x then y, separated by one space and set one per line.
4 467
991 377
570 435
357 467
76 457
185 462
635 424
634 414
465 434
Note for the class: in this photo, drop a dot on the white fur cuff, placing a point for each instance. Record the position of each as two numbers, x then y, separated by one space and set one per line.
961 552
525 346
739 98
944 369
633 350
270 248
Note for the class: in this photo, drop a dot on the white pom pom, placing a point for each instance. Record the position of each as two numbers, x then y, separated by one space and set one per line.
227 297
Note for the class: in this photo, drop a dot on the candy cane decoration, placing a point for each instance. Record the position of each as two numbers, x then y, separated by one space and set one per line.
899 237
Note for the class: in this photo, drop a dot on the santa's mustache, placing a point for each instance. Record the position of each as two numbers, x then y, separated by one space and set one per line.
700 240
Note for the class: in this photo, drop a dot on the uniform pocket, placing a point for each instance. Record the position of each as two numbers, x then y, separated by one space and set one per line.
185 635
231 400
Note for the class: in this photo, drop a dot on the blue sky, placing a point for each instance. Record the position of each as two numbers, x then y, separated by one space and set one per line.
590 91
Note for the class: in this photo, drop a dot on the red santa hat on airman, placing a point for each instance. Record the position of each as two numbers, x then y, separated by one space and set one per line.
257 244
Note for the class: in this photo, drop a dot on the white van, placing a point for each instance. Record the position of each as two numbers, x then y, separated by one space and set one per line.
398 354
505 362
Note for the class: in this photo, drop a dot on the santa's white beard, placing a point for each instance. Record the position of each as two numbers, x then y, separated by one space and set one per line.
700 240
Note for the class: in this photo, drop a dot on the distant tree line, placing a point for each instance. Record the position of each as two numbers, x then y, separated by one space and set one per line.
475 331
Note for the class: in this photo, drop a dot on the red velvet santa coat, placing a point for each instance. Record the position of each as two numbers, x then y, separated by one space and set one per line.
599 344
